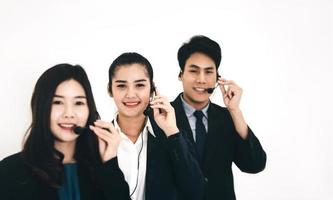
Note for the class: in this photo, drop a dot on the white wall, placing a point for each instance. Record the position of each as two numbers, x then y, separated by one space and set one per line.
280 52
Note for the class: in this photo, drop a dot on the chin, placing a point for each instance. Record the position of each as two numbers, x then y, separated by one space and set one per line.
67 139
131 113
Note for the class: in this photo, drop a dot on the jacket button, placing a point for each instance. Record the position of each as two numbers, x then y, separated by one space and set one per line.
206 179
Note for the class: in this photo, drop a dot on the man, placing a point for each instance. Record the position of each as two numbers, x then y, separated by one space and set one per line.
220 134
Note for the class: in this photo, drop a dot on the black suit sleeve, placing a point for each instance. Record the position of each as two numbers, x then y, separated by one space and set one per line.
249 154
189 178
4 183
112 181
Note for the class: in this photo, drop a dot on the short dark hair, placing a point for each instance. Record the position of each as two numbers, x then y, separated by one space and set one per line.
201 44
128 59
39 152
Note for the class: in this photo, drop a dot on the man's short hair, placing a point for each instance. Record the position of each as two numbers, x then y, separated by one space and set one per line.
200 44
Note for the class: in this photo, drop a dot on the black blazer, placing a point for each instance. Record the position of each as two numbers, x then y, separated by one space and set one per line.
17 182
223 146
172 170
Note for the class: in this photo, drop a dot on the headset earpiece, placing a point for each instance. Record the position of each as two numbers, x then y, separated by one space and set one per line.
149 110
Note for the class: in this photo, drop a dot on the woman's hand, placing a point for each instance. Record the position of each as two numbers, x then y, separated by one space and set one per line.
164 115
108 139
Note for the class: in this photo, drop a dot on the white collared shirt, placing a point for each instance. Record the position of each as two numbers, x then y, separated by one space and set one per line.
132 160
189 111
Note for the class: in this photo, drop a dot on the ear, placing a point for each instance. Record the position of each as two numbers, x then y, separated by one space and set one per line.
180 76
152 89
218 76
109 90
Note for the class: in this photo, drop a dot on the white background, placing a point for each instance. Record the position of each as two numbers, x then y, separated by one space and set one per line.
280 52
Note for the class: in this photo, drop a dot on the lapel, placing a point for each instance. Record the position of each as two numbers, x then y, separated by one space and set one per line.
152 153
181 118
215 125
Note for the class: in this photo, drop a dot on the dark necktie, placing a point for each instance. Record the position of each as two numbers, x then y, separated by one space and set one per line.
200 135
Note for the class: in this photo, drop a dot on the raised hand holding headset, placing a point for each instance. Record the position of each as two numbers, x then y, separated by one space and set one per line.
164 114
108 139
231 95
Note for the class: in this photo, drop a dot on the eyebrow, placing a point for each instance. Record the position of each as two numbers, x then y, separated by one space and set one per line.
197 67
136 81
77 97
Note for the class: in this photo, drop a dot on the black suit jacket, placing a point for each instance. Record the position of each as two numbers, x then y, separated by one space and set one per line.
223 146
17 182
172 170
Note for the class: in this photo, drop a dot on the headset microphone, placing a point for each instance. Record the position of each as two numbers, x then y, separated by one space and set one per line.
147 111
210 90
78 130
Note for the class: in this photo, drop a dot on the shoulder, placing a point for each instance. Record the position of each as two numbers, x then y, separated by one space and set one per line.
177 101
218 109
12 165
12 160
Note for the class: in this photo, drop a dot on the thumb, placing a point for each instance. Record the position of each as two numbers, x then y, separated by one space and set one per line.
156 112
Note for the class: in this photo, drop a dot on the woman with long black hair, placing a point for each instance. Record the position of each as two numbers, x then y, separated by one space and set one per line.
56 163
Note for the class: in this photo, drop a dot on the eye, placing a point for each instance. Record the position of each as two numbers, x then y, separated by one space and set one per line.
140 85
193 71
121 86
80 103
209 72
56 102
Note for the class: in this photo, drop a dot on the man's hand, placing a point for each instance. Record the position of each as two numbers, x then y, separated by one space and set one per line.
231 98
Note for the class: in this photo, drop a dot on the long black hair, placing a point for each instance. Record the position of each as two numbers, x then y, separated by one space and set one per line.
39 152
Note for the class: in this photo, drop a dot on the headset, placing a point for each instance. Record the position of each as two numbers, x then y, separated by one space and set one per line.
138 166
78 130
148 111
208 90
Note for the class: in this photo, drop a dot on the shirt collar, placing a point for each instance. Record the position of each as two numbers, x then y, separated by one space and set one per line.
189 110
147 126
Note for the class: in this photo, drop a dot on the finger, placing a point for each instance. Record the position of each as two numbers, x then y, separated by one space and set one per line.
157 92
163 107
156 113
223 90
228 82
230 93
236 90
105 125
101 133
162 100
159 97
221 79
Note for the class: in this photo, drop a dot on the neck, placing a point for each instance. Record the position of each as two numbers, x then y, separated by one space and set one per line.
195 104
131 126
68 149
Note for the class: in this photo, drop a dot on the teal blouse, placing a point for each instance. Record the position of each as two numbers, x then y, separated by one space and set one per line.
70 190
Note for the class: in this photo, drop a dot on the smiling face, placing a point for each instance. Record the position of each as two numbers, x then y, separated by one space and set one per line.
131 90
199 74
69 108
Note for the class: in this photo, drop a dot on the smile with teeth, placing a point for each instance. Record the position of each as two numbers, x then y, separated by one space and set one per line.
131 103
199 89
67 126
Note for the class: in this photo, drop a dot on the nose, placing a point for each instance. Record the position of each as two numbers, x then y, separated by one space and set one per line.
201 77
68 112
130 92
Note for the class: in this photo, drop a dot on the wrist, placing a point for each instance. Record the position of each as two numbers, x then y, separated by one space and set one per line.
235 111
109 157
171 131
